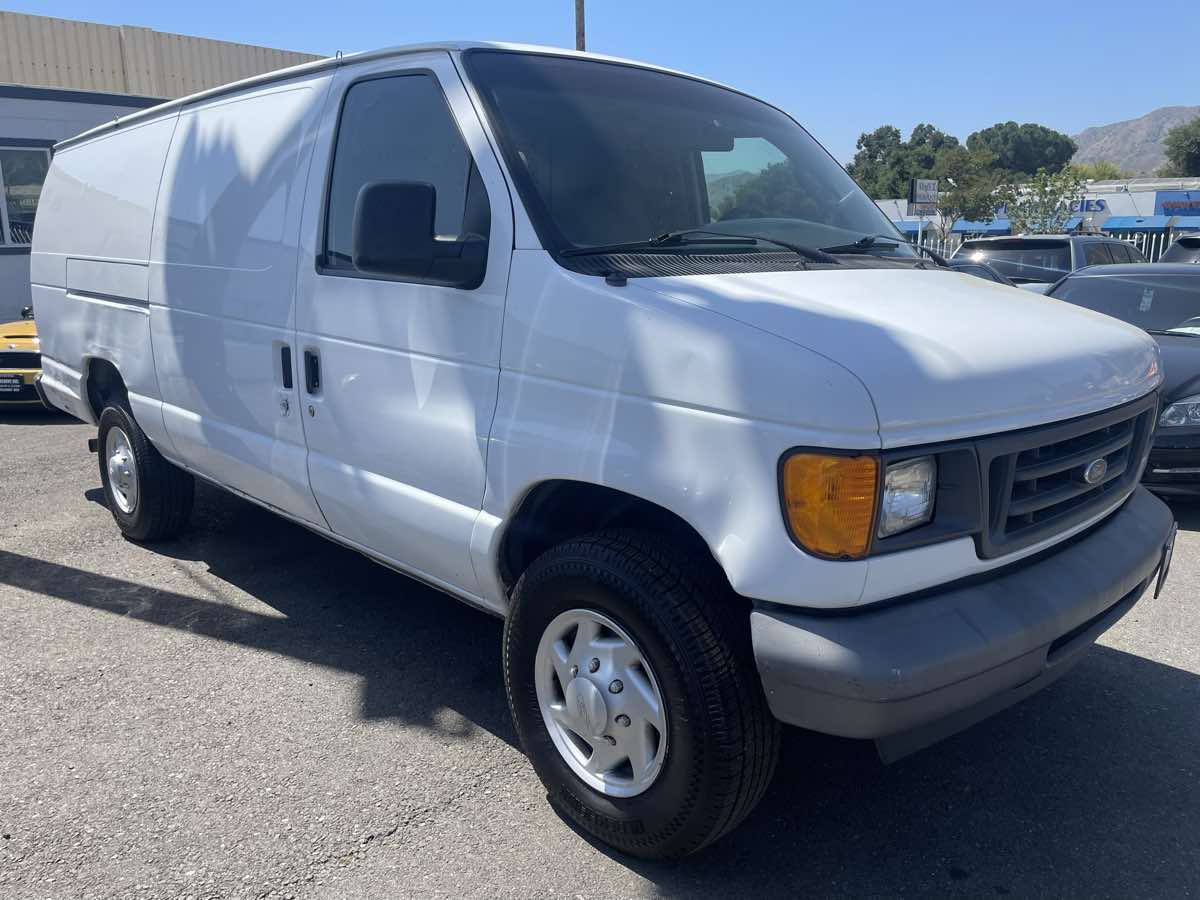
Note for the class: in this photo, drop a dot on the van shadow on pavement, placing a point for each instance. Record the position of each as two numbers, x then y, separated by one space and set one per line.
416 651
1091 787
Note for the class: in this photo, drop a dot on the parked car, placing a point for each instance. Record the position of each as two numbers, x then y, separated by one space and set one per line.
1163 299
979 270
713 476
1185 250
20 362
1035 262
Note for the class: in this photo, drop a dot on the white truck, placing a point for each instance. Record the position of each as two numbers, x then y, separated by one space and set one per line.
623 356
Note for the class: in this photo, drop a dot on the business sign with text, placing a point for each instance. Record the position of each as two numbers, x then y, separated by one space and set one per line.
1177 203
922 196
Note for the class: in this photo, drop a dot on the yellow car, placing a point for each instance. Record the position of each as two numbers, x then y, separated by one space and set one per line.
20 363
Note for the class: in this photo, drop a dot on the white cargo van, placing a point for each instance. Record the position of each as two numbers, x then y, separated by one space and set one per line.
621 355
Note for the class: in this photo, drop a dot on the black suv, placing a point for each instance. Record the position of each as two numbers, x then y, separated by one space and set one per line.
1036 261
1184 250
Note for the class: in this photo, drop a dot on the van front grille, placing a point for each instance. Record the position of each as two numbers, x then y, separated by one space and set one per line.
1042 481
1052 479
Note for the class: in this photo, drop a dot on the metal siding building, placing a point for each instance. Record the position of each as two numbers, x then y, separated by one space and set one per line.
125 59
59 77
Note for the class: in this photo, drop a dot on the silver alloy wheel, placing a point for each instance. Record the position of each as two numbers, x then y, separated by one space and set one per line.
601 703
122 470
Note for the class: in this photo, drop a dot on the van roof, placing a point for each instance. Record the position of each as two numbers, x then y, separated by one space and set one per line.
341 59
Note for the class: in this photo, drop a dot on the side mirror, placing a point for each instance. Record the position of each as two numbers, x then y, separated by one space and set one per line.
394 237
26 312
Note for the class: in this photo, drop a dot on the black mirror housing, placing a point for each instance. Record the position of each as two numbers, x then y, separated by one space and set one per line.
394 237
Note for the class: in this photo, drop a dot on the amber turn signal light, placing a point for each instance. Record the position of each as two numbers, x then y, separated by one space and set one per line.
829 502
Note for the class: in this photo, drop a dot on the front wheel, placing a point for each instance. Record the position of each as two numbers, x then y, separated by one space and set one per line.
634 691
149 498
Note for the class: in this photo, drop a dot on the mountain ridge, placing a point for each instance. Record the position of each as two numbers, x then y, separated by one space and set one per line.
1133 144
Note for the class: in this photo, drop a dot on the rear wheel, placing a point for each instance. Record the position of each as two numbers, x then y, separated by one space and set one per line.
149 498
634 691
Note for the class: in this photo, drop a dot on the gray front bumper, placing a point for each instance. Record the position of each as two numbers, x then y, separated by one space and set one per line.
917 671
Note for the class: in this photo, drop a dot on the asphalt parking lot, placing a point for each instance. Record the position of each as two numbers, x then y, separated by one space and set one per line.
253 711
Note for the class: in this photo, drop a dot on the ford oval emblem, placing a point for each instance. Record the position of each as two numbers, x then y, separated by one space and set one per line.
1095 470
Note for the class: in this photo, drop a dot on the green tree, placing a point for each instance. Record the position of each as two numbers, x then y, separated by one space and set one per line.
1100 170
967 187
878 162
923 147
884 163
1042 204
1023 149
1183 150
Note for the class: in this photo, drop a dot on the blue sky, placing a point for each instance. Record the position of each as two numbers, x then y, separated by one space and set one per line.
839 68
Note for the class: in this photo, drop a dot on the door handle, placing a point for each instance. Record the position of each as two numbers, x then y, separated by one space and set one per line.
312 371
285 359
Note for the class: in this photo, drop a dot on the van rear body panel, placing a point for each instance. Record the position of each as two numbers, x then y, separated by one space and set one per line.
89 267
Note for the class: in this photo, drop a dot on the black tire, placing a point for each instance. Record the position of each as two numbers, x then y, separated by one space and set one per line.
165 492
723 742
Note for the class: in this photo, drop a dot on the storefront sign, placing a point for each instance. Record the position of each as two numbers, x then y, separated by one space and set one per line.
922 196
1177 203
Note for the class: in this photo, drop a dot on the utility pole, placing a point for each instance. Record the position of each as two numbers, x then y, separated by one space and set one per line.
579 41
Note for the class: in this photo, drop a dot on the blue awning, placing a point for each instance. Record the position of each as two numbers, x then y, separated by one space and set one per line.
1186 223
1136 223
909 227
996 226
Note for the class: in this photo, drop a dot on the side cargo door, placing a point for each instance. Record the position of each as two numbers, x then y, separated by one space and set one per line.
222 289
400 373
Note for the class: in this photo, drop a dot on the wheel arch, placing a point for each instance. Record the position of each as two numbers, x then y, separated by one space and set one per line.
101 382
556 510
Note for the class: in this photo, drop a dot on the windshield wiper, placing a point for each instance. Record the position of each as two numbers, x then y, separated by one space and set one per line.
809 253
870 242
648 244
932 254
678 239
864 244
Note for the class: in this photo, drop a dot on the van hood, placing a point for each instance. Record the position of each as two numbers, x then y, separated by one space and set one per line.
943 355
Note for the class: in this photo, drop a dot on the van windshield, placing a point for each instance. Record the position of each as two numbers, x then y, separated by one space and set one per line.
1023 260
604 154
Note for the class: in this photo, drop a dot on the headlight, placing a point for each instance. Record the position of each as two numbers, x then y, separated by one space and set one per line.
829 502
908 491
1181 412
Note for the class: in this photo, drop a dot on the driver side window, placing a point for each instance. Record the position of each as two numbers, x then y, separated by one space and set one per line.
399 128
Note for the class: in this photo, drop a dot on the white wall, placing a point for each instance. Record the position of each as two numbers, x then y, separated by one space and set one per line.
54 119
14 285
126 59
25 119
